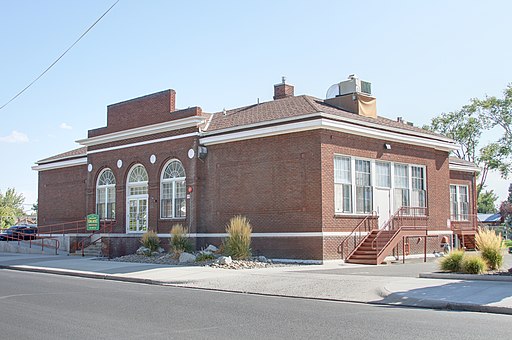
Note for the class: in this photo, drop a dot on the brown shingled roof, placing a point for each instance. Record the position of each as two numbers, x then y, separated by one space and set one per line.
298 106
76 153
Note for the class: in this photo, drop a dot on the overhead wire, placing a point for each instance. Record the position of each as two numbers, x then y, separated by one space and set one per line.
60 57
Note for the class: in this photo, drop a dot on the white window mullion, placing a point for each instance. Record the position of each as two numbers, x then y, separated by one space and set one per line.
353 181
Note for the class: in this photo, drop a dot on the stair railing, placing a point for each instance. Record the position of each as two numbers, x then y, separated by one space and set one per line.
106 228
412 214
357 236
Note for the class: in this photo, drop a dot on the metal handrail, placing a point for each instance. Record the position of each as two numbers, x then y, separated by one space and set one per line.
396 221
20 238
81 244
357 234
463 225
79 225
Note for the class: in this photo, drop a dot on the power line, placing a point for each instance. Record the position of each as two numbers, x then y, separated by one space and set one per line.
60 57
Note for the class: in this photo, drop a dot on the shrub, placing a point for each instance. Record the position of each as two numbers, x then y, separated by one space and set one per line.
150 240
238 243
489 243
204 257
473 265
453 261
179 240
507 243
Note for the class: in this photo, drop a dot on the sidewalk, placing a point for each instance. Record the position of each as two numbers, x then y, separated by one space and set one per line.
391 285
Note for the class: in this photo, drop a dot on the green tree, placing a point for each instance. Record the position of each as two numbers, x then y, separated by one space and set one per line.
487 202
466 126
462 126
497 112
11 206
492 157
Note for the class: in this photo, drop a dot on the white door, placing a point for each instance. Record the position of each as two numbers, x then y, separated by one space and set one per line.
137 215
383 205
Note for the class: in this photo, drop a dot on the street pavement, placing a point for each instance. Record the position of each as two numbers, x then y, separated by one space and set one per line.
392 284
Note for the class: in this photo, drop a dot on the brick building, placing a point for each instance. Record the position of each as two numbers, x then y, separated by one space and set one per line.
314 176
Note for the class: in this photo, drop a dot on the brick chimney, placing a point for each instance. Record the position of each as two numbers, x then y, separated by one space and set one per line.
283 90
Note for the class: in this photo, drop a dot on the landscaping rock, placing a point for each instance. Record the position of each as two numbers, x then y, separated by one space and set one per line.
161 250
211 248
262 259
224 260
187 258
143 251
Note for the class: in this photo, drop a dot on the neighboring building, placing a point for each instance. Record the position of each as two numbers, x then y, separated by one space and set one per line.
491 220
305 171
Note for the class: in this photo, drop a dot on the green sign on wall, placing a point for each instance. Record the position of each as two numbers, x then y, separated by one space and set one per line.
93 222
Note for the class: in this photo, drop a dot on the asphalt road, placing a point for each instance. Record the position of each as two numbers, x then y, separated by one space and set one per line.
45 306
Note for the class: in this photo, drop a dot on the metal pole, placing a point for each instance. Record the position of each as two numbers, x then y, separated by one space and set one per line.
403 249
425 248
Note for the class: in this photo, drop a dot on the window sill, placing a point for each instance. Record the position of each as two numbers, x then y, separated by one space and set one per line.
352 215
173 218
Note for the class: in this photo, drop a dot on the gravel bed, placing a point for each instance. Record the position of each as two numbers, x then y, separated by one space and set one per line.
168 259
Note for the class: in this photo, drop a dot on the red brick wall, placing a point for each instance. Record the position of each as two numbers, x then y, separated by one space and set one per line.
437 174
164 151
273 181
61 195
147 110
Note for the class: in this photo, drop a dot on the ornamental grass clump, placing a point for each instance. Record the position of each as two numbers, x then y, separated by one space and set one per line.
489 243
179 240
238 243
453 261
473 265
150 240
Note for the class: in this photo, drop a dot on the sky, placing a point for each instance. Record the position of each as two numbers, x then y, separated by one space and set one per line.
422 58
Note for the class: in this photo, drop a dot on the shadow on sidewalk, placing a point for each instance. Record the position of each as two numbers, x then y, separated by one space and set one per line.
461 292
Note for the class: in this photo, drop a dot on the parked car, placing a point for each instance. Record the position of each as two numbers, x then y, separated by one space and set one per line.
510 250
19 232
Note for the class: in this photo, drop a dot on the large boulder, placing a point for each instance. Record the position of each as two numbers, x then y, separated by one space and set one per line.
143 251
211 248
187 258
225 260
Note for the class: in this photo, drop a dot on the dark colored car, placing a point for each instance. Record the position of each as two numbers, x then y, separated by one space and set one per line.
19 232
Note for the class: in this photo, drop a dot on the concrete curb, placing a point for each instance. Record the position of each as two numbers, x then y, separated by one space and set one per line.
383 292
472 277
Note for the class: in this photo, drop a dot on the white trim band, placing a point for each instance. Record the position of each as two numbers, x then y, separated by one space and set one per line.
159 140
463 168
186 122
325 123
61 164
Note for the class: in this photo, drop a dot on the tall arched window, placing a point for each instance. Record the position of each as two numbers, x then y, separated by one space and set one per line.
137 200
173 191
106 195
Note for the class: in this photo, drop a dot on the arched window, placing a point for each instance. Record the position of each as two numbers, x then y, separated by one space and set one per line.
173 191
137 200
106 195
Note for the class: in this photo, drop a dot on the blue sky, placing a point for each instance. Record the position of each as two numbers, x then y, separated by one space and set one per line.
422 58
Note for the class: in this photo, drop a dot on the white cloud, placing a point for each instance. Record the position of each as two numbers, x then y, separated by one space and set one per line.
65 126
15 137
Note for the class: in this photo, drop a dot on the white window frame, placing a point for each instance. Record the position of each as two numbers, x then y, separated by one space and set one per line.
144 195
459 214
173 181
373 183
102 190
